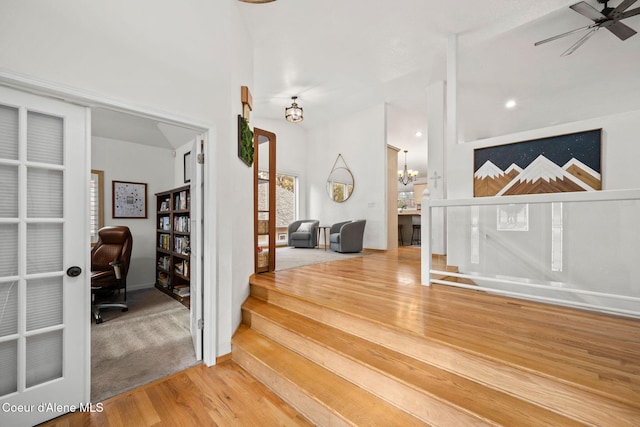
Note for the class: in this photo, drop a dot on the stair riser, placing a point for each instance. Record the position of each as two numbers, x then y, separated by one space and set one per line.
415 402
287 391
547 392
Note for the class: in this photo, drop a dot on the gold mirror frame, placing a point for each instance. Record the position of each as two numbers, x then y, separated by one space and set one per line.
340 183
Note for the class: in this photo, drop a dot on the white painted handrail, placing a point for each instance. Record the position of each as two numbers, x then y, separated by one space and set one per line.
580 196
574 197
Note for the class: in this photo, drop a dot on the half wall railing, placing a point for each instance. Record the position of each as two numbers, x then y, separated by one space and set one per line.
577 249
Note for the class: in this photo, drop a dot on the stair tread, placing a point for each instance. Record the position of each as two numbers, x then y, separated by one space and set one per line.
343 398
457 391
546 357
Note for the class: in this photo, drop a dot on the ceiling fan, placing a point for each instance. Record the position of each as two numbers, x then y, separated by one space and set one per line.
608 18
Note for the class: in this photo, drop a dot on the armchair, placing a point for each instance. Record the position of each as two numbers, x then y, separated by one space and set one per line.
347 236
110 259
303 233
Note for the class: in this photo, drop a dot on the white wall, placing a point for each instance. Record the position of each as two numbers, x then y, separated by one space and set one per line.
186 60
126 161
620 152
600 239
361 139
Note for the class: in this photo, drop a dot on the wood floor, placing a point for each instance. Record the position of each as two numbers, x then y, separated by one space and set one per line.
353 341
223 395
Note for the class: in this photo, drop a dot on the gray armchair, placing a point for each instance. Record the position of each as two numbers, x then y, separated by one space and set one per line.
304 233
347 236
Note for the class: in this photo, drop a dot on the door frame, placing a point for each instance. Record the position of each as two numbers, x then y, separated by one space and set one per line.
208 130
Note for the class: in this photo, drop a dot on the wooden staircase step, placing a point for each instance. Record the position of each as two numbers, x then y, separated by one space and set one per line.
323 397
449 353
432 394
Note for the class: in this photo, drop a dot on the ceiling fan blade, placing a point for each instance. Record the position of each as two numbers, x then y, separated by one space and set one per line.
629 13
621 30
580 42
626 4
589 11
550 39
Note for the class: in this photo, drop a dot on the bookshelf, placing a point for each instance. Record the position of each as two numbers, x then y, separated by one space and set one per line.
173 252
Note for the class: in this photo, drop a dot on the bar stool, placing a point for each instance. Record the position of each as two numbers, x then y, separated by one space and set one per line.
400 237
415 234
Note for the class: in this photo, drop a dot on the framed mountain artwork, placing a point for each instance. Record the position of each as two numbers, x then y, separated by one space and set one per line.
563 163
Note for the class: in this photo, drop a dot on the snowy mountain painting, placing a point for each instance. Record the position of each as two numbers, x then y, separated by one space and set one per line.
550 165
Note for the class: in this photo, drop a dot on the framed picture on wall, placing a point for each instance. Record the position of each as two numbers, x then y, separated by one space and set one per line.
555 164
129 199
187 167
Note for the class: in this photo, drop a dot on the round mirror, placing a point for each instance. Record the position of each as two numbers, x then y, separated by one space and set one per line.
340 184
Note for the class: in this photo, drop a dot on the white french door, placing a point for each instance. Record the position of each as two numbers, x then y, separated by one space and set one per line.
44 285
197 212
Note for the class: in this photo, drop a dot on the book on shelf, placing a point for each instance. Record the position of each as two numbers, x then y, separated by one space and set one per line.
163 241
181 245
163 223
182 201
163 280
182 268
182 290
164 262
164 205
181 223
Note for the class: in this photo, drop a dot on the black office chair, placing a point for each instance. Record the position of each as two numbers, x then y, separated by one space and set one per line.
110 259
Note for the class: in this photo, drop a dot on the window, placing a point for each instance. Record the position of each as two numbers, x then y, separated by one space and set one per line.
286 203
285 200
96 204
286 212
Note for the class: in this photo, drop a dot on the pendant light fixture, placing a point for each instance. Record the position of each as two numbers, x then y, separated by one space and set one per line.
407 175
293 114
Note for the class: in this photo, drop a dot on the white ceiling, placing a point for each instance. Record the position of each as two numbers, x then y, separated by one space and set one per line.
339 56
126 127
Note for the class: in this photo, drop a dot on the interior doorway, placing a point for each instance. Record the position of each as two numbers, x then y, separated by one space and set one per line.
133 148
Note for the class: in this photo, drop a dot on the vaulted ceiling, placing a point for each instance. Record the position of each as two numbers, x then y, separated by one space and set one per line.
339 57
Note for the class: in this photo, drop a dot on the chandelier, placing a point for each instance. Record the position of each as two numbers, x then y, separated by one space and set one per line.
407 175
293 114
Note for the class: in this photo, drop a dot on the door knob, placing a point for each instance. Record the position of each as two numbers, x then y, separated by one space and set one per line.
74 271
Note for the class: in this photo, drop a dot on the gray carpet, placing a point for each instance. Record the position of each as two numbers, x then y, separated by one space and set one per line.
289 257
148 342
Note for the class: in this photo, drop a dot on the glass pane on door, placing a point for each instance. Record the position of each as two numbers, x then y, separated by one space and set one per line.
8 367
41 238
44 138
44 358
44 302
8 309
44 190
8 191
8 250
8 132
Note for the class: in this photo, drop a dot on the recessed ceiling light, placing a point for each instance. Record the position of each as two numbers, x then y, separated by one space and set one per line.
510 103
418 134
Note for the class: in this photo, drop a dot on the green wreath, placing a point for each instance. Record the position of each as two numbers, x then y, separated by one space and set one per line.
245 148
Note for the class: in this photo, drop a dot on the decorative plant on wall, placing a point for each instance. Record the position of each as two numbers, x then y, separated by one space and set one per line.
245 141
